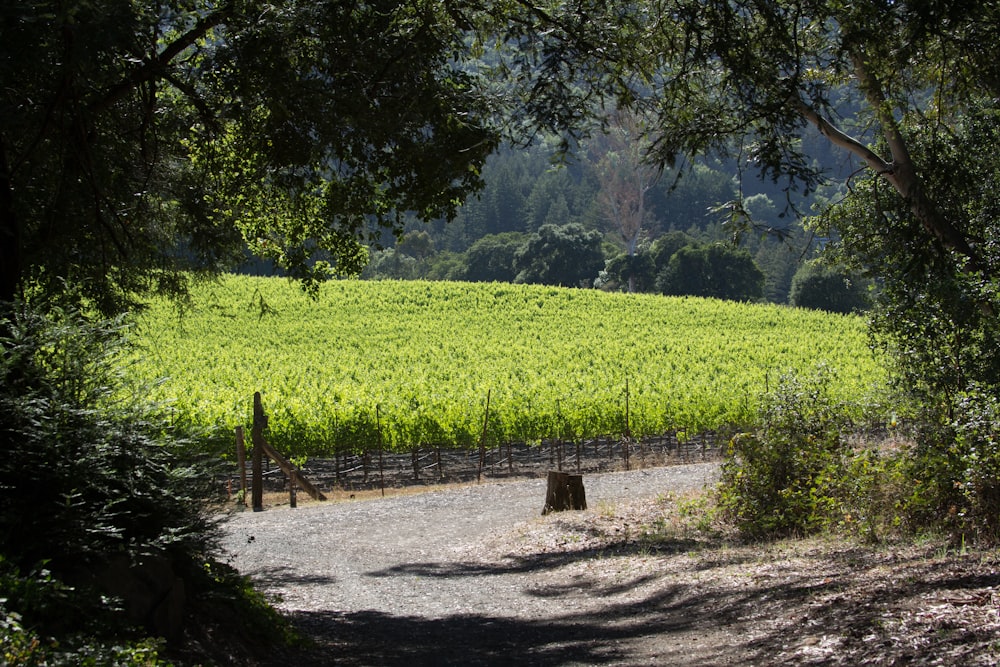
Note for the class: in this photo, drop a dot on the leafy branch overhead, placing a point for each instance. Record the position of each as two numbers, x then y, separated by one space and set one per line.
141 140
762 77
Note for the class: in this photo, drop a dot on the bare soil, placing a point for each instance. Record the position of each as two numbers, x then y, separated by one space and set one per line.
473 574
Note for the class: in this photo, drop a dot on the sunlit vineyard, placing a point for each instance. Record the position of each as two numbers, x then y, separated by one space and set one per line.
409 364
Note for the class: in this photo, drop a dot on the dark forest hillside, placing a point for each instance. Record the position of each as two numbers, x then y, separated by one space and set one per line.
527 189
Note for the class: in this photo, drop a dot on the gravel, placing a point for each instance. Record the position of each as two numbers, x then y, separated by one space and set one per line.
424 557
474 575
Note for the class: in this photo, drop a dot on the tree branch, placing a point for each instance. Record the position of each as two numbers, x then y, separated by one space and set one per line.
840 138
904 177
150 69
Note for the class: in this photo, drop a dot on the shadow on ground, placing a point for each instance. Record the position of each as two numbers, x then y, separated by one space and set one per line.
839 606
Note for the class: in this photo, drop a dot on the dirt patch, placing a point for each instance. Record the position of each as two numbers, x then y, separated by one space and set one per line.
475 576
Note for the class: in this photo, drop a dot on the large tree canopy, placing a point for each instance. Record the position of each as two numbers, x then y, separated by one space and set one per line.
137 139
909 91
757 77
765 80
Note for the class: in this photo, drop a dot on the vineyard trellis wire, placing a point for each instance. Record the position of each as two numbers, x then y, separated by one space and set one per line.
429 465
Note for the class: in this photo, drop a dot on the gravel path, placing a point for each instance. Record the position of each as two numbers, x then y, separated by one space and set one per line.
418 579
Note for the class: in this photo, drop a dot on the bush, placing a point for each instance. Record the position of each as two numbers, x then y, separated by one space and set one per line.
957 468
806 469
92 488
86 468
780 479
817 285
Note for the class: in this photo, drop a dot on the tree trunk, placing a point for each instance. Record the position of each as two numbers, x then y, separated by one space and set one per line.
900 172
564 492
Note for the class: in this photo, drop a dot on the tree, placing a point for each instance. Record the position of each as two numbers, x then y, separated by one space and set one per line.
684 198
753 76
818 285
417 244
625 176
492 257
632 273
934 312
713 270
390 264
664 248
139 140
569 255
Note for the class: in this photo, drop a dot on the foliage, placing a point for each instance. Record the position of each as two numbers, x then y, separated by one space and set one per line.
977 455
42 600
936 309
143 139
87 474
630 273
810 467
665 247
425 354
818 285
934 315
390 264
568 255
953 470
713 270
85 470
781 479
491 258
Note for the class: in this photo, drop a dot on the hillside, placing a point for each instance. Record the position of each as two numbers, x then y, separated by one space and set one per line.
414 363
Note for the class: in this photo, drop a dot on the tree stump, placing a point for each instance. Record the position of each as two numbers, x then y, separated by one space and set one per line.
564 492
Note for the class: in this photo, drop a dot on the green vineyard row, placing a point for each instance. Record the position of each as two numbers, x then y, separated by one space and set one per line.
408 364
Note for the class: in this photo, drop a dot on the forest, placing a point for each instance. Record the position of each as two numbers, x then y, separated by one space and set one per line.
527 189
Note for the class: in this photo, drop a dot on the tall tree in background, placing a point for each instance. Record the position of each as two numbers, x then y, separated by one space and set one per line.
141 139
625 175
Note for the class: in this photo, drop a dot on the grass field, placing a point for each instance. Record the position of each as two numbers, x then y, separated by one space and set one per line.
407 364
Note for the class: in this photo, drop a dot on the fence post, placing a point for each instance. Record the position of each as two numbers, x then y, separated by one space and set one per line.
257 436
381 460
482 438
241 461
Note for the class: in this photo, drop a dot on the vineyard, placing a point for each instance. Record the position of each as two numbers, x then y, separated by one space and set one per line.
397 366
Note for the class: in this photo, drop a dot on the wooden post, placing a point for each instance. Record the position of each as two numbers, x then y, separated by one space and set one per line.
564 492
381 459
257 481
292 500
628 428
256 436
261 447
241 461
482 438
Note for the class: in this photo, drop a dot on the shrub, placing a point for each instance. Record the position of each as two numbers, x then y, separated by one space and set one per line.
781 478
969 469
92 485
817 285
